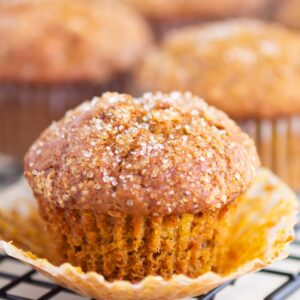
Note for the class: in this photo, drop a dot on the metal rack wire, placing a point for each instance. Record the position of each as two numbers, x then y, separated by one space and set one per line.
15 275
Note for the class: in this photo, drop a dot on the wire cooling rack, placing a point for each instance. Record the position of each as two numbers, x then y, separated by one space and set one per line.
277 282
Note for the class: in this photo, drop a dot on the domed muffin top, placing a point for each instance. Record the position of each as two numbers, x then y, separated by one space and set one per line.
246 68
69 41
194 9
160 154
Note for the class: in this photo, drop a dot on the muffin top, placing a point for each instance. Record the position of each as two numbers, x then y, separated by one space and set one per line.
71 40
158 154
247 68
288 12
195 9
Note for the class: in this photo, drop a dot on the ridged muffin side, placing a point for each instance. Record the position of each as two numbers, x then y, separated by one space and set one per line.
130 247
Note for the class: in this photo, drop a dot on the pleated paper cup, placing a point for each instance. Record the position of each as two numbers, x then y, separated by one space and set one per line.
278 144
27 109
262 227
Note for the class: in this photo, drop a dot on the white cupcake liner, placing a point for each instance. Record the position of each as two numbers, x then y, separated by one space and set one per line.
278 144
262 227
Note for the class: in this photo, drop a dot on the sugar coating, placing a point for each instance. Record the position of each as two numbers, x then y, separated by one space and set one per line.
160 153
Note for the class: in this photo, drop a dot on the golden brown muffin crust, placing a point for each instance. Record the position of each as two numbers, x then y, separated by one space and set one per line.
161 153
70 40
245 67
188 9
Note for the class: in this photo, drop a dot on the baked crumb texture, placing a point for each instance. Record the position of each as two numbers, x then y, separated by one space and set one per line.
131 247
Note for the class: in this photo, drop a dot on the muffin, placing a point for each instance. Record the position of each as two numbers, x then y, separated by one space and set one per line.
288 12
58 53
130 187
247 68
169 13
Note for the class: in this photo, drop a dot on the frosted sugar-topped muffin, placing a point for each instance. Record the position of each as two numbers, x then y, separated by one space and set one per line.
130 187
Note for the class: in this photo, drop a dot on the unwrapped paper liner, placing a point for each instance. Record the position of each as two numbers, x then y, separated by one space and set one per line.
262 226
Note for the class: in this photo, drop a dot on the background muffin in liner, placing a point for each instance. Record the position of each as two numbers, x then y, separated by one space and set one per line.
170 14
131 187
57 54
247 68
261 227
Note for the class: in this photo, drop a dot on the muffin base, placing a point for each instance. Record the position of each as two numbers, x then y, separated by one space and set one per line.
26 110
278 144
261 227
132 247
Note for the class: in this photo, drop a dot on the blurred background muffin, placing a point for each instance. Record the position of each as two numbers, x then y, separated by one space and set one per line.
130 187
167 14
55 54
288 13
249 69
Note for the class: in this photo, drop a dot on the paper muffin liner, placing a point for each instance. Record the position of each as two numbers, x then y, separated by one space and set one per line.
27 109
132 246
262 227
278 144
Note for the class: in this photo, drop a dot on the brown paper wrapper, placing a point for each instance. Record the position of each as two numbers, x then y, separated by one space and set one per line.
278 144
27 109
262 227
